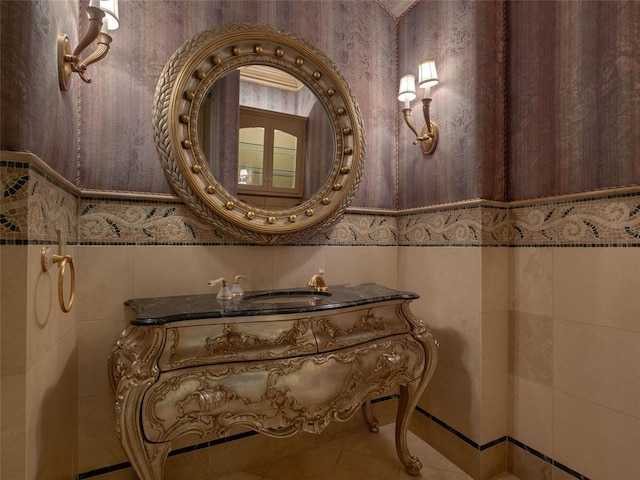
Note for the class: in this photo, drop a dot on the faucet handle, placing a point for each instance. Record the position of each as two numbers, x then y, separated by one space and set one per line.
225 292
317 282
236 289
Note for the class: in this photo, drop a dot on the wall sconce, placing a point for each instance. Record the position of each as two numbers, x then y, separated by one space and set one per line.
427 77
71 62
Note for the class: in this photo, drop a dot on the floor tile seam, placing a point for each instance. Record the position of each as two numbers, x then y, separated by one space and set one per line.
335 466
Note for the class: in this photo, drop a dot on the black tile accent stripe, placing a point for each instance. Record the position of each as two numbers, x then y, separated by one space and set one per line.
467 440
498 441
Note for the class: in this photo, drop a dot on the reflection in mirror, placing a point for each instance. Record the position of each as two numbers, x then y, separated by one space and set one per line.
264 173
197 114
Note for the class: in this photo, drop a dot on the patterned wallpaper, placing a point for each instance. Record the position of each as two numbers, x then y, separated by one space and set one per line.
574 96
36 116
467 41
118 151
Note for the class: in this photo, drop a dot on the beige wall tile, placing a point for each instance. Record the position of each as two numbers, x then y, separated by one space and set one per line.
98 444
106 277
599 364
13 436
171 270
531 280
531 417
527 466
459 334
598 286
96 339
455 398
13 307
495 279
594 440
495 404
293 267
443 275
67 444
44 318
479 465
256 262
51 406
495 343
353 265
531 347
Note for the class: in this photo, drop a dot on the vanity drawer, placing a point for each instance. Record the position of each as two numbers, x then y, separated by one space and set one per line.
282 396
335 331
224 342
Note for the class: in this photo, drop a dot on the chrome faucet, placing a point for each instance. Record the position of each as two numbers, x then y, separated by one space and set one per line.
317 282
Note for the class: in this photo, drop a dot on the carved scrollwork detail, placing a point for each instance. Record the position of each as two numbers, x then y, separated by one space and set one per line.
133 364
368 326
237 342
232 342
273 396
370 322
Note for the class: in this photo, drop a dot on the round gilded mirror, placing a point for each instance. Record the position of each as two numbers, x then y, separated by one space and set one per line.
258 133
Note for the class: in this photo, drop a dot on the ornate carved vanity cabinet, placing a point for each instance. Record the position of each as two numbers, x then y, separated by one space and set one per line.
277 362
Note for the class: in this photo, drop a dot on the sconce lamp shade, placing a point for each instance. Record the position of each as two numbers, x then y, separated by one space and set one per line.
427 74
110 9
407 91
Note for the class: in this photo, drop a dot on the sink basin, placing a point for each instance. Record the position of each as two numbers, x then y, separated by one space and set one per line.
307 297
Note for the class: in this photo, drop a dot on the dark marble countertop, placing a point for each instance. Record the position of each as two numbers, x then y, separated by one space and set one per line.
161 310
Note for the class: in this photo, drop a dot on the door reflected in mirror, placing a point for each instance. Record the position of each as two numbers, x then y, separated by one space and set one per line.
266 136
270 157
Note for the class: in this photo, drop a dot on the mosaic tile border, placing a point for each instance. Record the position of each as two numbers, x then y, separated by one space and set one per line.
138 222
609 221
35 205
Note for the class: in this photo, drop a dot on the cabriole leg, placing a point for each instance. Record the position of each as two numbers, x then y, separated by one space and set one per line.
371 420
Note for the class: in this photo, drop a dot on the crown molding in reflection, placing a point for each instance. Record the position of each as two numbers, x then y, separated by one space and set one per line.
270 77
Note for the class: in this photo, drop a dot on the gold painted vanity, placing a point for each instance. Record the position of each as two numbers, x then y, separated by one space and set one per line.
277 362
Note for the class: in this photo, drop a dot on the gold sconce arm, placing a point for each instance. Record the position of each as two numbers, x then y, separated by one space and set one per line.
428 137
96 16
406 112
71 62
104 40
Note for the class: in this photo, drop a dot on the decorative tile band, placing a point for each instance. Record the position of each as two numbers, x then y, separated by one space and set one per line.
138 222
476 225
613 220
34 206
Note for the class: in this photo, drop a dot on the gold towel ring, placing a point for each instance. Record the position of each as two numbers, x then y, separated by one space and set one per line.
64 260
47 260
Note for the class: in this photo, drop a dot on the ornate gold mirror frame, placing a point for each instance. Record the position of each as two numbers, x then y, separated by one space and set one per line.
181 90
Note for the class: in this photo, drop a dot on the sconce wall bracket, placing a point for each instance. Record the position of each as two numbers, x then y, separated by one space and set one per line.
64 66
428 138
69 62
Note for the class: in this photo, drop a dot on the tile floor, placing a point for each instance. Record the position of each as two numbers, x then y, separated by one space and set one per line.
361 456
